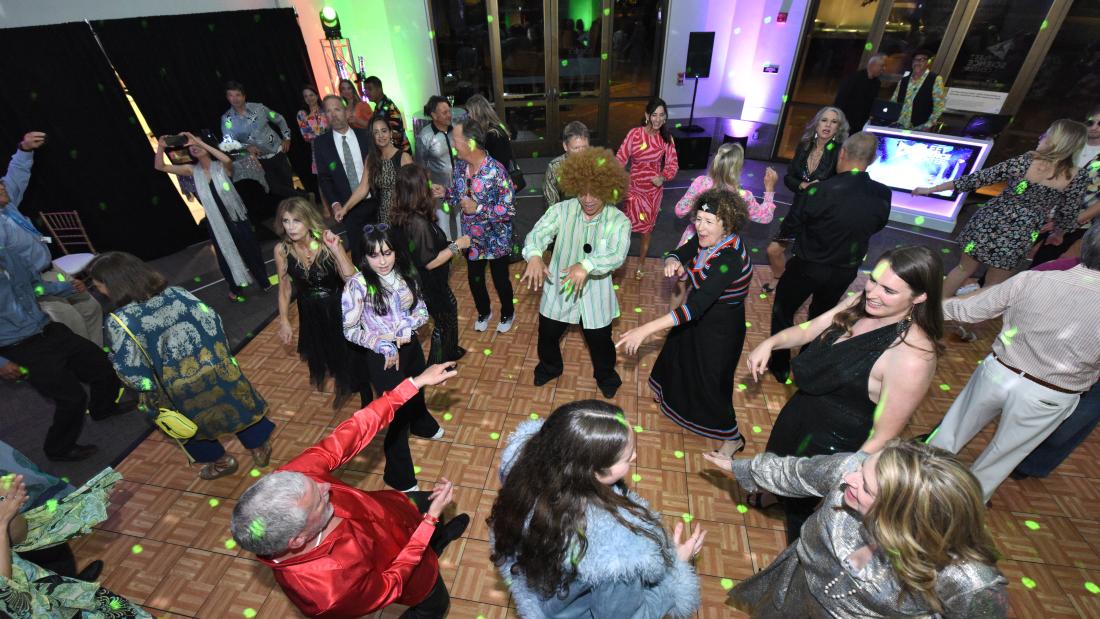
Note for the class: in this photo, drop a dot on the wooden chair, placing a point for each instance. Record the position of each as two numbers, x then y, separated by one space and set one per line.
67 229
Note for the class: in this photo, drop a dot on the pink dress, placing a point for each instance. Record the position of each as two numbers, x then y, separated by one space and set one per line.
761 213
648 156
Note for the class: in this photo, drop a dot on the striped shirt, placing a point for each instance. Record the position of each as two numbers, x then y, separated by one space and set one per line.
1050 329
718 274
607 238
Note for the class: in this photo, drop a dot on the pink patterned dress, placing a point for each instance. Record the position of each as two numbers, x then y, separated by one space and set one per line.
648 156
760 212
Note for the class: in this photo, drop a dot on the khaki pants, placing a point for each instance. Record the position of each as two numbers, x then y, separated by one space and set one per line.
81 313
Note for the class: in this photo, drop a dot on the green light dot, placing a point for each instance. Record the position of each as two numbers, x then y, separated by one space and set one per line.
431 34
868 46
748 325
564 62
742 386
1027 582
230 544
1092 588
249 613
254 472
416 470
136 549
1043 26
757 429
788 382
679 454
919 220
727 583
51 505
637 310
214 502
530 104
614 286
763 295
490 18
603 56
686 517
784 98
945 387
742 509
1031 524
636 478
945 250
638 429
494 435
448 416
534 416
487 352
115 604
39 290
606 12
517 275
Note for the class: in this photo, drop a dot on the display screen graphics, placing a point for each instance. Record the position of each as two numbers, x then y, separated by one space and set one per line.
907 163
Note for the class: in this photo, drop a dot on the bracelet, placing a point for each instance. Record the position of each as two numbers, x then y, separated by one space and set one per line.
454 248
430 519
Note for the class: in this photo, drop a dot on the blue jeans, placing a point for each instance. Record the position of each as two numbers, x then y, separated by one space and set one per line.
1071 433
251 437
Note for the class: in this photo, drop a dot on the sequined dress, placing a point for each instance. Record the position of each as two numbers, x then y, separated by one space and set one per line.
321 340
812 578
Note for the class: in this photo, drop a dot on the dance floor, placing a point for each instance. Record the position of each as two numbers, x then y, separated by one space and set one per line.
166 544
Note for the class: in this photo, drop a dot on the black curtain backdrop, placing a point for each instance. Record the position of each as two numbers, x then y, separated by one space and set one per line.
176 67
96 160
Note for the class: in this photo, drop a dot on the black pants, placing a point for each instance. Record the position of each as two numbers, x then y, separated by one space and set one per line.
244 238
280 177
413 416
443 308
57 362
432 607
600 348
58 559
366 212
475 274
801 280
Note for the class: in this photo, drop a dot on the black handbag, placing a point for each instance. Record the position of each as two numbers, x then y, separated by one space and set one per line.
518 182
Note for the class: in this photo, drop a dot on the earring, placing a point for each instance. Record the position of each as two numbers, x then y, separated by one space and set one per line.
815 135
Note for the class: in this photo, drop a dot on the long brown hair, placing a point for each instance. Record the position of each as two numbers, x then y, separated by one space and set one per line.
922 270
412 196
538 520
127 278
928 514
374 153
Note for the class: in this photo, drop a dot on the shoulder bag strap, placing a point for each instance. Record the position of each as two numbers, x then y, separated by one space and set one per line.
152 366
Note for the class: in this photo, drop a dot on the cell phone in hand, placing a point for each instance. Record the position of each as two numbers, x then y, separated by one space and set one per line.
175 141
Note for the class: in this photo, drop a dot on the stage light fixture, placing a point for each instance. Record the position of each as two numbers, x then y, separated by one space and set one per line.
330 23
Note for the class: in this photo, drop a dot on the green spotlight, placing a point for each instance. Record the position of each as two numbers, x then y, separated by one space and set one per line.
330 23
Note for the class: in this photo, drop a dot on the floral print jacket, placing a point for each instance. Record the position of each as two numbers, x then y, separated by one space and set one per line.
490 227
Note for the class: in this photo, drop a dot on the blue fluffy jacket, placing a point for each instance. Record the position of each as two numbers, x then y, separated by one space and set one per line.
622 575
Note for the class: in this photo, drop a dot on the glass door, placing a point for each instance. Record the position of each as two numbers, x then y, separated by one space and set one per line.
549 61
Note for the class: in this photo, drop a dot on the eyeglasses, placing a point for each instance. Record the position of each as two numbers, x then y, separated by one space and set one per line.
1093 122
372 227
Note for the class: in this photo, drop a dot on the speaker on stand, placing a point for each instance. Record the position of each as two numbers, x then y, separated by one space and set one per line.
700 50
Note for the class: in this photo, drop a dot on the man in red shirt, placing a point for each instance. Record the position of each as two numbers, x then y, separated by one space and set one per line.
338 551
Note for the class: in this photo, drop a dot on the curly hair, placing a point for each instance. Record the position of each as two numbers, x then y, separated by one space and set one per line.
728 206
595 171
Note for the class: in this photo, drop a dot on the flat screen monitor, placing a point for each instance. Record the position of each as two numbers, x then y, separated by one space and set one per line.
907 162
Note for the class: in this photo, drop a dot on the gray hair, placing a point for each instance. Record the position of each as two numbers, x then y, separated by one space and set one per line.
841 130
877 56
862 148
1090 248
268 514
575 129
472 130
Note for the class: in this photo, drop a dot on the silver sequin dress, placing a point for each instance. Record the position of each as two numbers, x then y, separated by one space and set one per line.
797 583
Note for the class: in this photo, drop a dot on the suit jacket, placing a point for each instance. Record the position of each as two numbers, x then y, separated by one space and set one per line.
332 179
379 554
837 219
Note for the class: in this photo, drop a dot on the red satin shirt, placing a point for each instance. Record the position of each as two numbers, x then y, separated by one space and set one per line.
379 554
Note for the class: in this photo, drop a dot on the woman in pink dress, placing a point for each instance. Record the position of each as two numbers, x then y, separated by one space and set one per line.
724 173
651 155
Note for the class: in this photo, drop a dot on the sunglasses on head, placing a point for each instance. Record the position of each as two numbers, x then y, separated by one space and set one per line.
372 227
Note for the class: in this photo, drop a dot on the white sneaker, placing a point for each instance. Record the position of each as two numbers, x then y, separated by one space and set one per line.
482 323
415 488
438 435
506 324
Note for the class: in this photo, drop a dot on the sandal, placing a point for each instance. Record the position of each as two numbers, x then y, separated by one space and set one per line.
226 465
756 500
639 274
262 454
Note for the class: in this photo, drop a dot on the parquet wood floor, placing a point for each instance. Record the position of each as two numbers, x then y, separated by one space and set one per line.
187 567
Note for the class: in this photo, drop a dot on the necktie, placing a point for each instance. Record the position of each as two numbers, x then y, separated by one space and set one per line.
349 165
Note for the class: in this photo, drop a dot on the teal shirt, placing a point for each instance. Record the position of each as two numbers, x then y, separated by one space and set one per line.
608 236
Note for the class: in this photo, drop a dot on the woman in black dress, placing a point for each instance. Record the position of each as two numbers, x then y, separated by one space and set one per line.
380 171
414 220
313 265
692 379
814 161
865 366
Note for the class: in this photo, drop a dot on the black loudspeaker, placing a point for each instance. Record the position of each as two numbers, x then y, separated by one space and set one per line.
692 151
700 50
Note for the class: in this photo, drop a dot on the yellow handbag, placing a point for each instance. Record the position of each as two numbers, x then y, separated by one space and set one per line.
170 421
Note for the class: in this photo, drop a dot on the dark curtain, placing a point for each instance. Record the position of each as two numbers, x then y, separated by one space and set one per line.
176 67
96 160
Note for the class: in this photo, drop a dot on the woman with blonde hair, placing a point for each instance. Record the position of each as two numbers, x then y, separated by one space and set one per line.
311 263
1040 181
814 161
724 173
900 533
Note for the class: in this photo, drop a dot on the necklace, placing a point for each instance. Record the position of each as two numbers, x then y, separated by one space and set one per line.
838 596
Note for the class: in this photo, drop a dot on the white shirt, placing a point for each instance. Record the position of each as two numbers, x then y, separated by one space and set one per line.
356 154
1087 154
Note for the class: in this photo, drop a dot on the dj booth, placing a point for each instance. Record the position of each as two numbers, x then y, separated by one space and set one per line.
909 159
